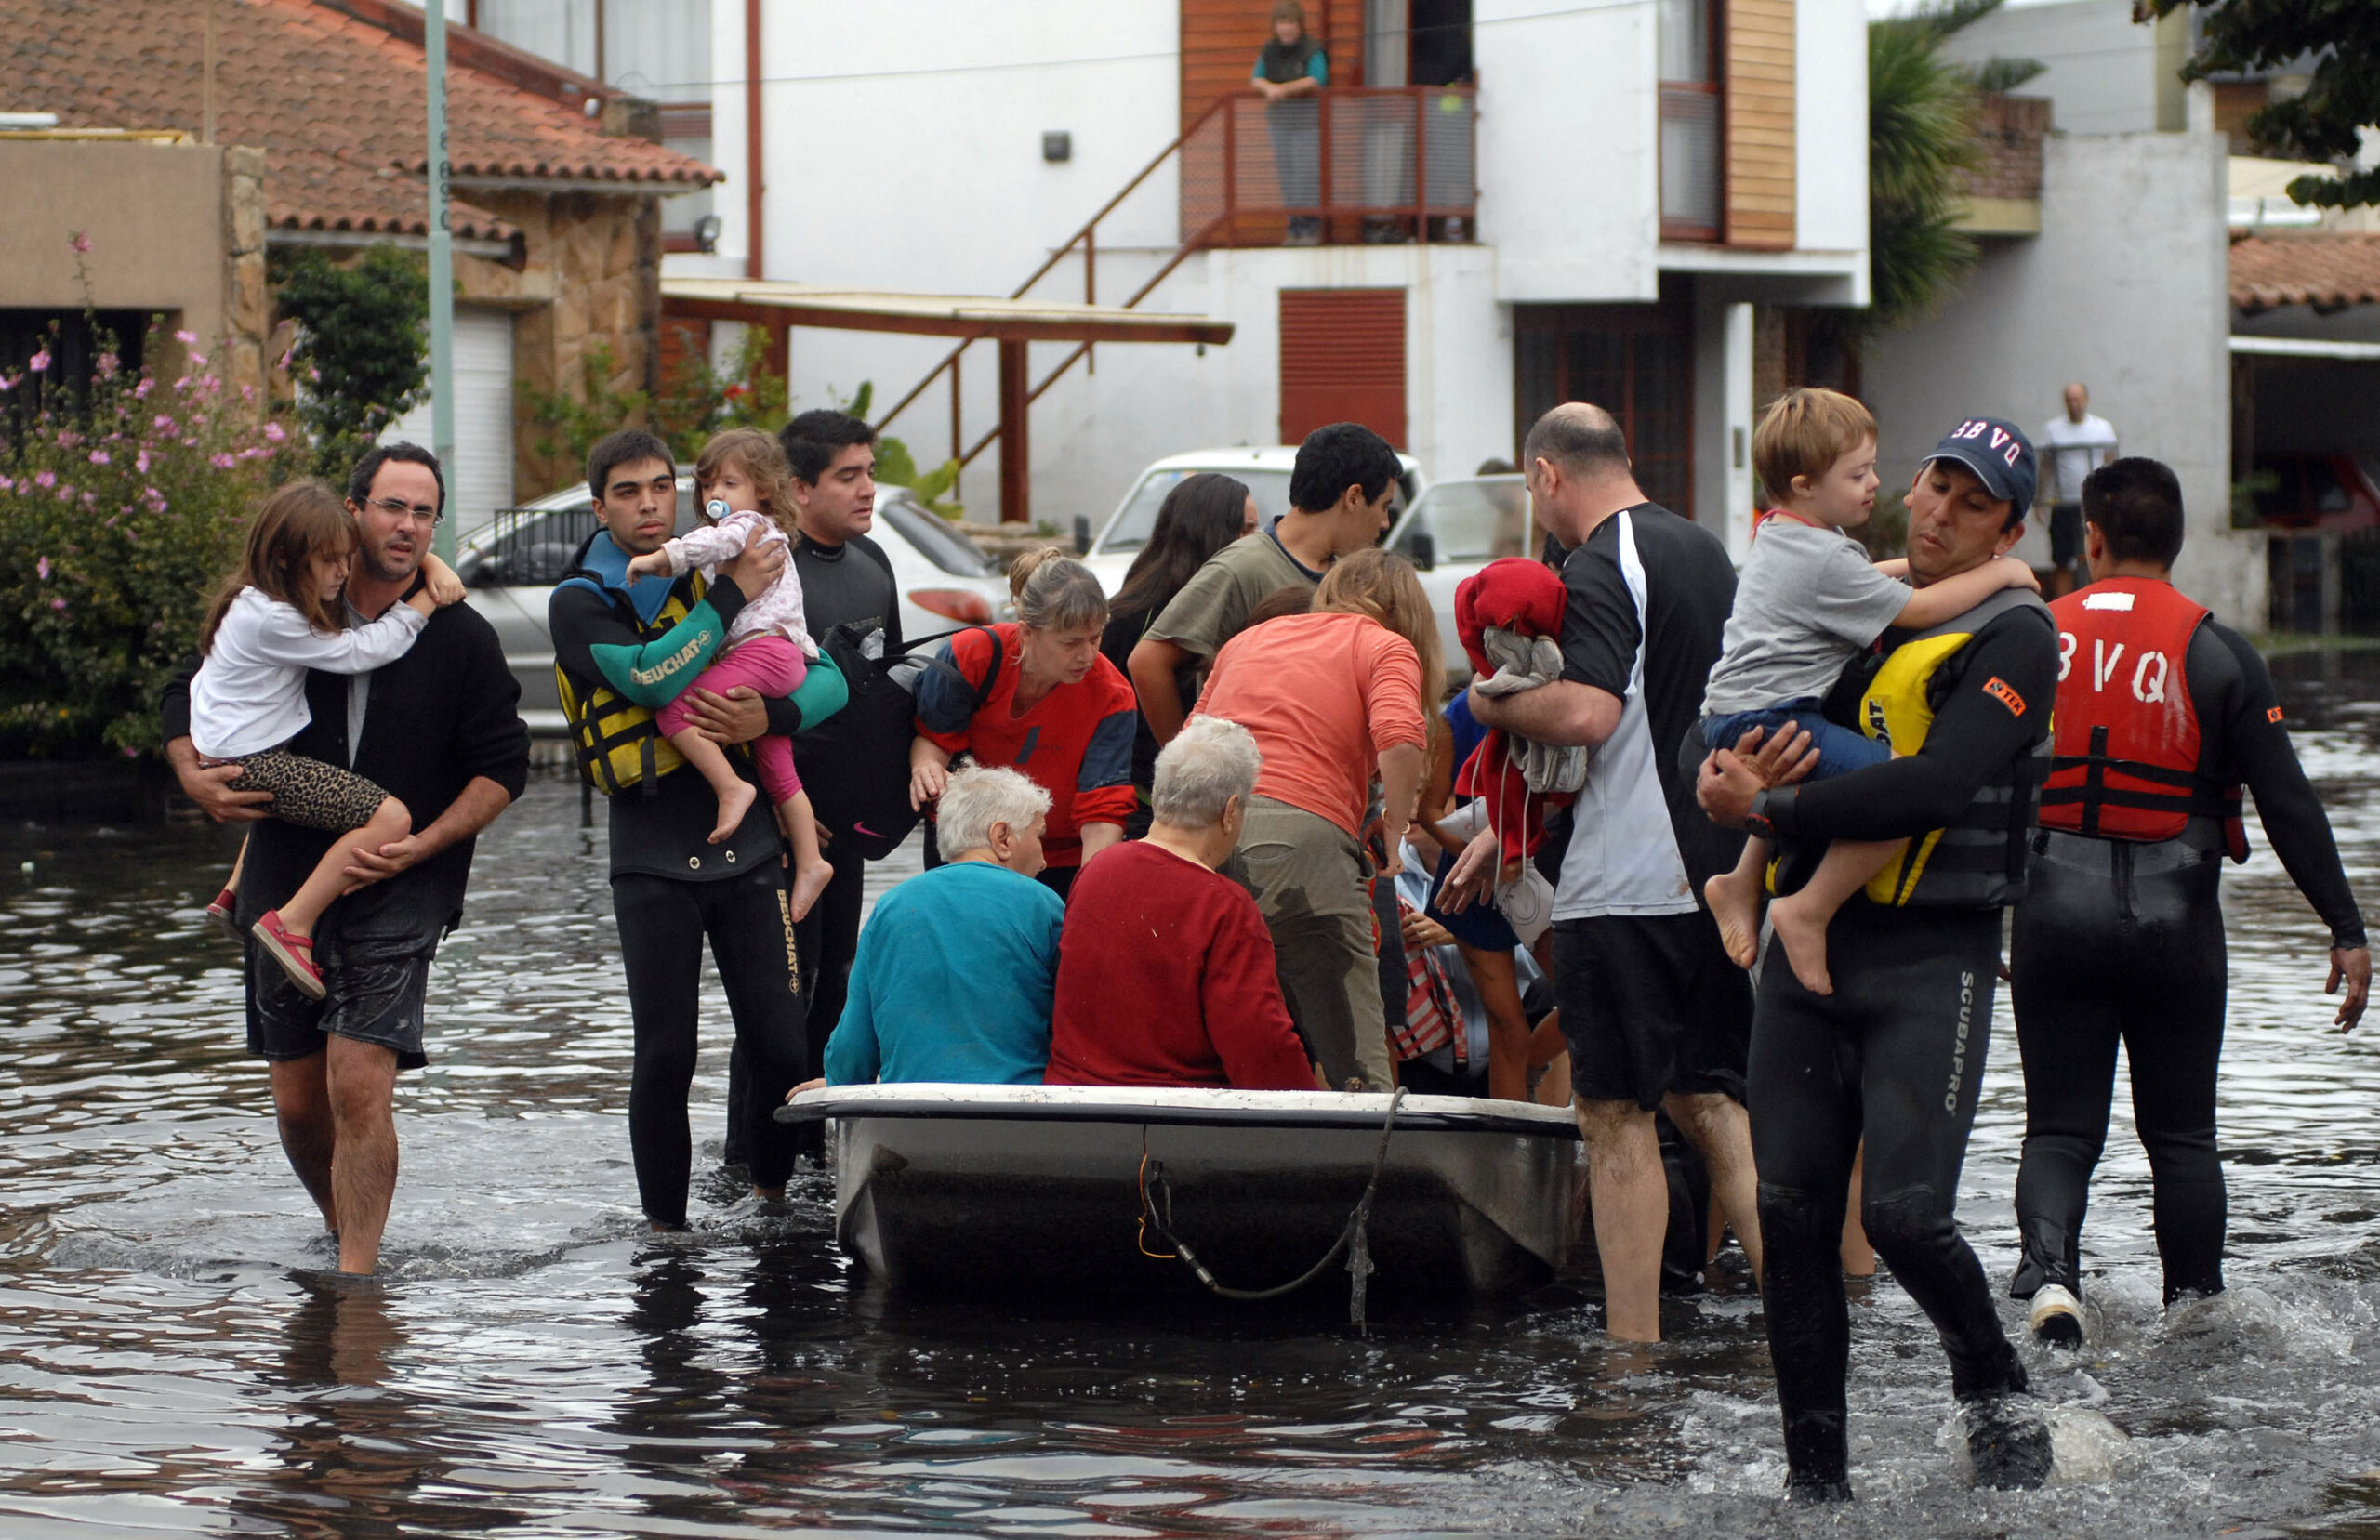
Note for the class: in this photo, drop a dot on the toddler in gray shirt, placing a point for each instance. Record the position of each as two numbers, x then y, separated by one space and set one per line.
1807 602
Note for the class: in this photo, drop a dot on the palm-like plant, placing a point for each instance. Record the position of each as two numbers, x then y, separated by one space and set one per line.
1921 114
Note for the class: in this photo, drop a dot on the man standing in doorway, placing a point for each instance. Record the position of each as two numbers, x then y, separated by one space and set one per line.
439 730
1894 1054
1655 1017
1340 493
846 579
1291 72
2077 443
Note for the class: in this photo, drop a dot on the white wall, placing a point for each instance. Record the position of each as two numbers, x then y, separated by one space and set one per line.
1831 127
1569 182
2102 75
2125 290
904 143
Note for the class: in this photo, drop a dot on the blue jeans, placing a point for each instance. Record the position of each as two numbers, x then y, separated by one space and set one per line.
1841 750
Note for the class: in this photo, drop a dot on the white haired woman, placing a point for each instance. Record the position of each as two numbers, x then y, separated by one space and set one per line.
1036 693
1165 972
977 930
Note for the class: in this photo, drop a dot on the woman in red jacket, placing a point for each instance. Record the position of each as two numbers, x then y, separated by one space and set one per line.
1035 693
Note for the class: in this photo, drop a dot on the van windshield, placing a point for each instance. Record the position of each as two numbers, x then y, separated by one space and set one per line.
1131 529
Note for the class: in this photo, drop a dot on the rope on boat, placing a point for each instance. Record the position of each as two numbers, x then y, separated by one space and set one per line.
1157 1212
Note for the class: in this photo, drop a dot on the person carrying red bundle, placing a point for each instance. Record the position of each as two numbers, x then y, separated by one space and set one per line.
1508 617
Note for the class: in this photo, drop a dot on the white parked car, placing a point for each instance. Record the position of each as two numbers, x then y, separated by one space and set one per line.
1454 529
512 561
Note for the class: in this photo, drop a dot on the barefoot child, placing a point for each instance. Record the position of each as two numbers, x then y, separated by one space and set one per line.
1807 601
740 480
276 618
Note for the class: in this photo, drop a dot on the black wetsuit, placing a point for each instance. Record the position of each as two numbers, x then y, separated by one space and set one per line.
2123 941
1895 1054
670 889
846 584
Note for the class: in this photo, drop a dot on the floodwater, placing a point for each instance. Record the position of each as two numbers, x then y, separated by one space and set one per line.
536 1365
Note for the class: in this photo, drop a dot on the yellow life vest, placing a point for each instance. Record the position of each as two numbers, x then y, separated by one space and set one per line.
618 743
1979 860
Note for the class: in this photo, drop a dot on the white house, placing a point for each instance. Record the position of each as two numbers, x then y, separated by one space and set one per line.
1582 202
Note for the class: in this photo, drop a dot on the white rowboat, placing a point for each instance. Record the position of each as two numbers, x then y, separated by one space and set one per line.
1021 1187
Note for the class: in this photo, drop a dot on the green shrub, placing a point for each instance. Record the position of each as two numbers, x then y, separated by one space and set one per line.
360 356
120 513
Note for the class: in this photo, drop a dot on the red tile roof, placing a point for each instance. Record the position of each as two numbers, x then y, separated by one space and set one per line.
2326 272
336 101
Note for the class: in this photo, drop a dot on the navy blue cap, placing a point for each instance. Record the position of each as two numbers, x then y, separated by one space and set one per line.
1998 453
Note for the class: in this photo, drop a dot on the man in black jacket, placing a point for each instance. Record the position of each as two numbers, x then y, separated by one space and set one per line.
1895 1054
623 651
846 579
439 729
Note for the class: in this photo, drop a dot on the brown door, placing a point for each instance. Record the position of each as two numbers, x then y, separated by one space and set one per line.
1636 362
1342 360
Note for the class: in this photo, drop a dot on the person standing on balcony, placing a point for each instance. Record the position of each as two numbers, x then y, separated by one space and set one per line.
1291 72
2079 442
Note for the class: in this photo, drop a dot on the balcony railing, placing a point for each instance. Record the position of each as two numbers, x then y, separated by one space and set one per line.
1373 163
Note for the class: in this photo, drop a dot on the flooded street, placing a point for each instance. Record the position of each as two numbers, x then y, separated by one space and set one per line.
538 1365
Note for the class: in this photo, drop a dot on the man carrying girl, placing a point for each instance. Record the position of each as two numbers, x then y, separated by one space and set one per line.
435 728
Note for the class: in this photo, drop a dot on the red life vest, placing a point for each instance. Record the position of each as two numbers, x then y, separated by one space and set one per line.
2126 737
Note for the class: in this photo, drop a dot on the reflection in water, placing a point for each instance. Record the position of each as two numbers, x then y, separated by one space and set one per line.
538 1364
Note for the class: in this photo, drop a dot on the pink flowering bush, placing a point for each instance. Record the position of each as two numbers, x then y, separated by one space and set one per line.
116 524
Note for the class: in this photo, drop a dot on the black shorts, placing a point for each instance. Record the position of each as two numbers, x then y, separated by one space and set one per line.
378 992
2065 533
1651 1008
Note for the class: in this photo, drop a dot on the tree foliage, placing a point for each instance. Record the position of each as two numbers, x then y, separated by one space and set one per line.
2341 101
1921 142
122 505
363 335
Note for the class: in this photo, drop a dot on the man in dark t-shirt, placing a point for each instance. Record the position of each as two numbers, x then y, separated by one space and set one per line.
1655 1016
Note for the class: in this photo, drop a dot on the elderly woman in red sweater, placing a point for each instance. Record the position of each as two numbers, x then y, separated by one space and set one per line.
1165 967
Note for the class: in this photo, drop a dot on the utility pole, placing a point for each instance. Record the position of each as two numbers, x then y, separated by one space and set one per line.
442 274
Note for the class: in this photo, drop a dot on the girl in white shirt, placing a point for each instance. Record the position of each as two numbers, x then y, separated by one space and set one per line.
276 618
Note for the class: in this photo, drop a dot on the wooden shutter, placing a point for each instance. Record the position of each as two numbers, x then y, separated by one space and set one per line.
1342 360
1760 124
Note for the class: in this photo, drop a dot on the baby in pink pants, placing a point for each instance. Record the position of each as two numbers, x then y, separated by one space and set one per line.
768 647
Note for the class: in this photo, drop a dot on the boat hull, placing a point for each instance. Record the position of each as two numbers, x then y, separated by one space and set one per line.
966 1192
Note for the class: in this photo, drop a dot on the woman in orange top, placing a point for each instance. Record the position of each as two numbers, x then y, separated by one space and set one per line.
1036 695
1333 697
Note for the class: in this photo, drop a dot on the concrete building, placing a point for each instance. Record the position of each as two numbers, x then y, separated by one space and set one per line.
557 216
1524 205
2123 288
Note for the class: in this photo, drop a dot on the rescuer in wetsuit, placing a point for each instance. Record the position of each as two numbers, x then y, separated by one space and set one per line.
1897 1050
2163 714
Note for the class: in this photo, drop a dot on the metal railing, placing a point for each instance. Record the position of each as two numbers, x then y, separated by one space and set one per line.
1369 162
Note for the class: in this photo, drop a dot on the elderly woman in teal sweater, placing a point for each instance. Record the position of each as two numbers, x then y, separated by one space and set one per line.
954 975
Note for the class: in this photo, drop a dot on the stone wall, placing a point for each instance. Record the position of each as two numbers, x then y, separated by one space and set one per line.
590 278
248 297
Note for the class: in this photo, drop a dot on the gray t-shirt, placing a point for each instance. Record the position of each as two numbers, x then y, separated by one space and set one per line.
2076 450
1807 600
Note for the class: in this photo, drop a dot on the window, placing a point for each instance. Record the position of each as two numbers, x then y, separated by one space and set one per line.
1635 361
1692 176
